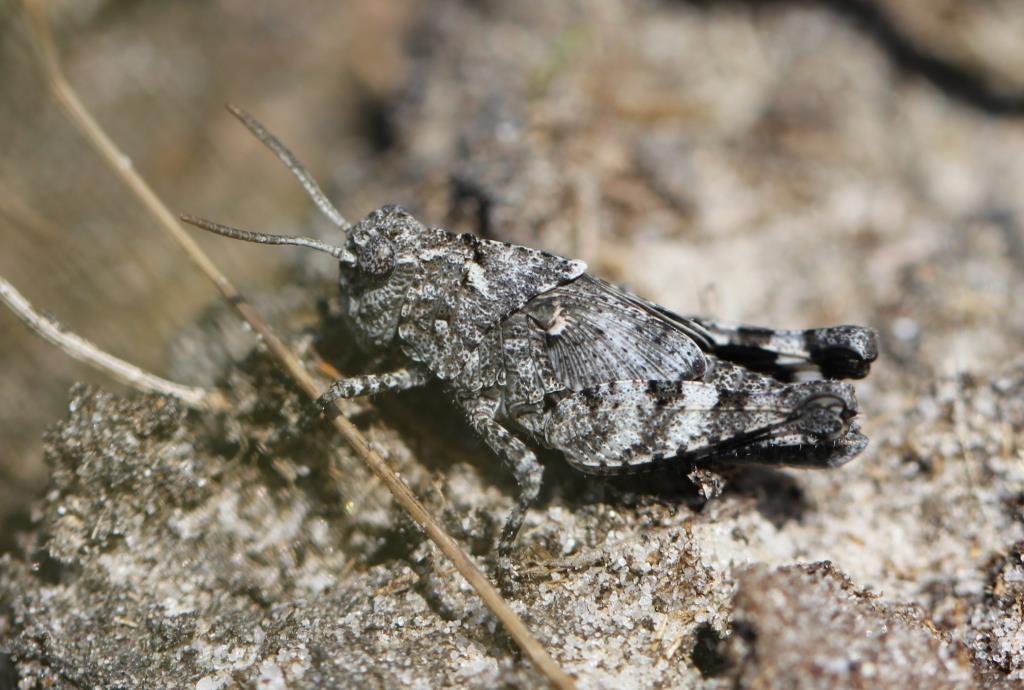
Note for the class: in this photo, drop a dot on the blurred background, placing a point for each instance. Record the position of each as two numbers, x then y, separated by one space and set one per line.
785 163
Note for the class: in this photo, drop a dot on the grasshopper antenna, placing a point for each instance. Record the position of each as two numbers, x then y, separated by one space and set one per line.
263 238
291 162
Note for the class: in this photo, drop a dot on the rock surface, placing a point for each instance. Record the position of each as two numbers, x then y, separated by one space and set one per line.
763 162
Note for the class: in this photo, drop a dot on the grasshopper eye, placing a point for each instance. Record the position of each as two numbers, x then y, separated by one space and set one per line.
377 258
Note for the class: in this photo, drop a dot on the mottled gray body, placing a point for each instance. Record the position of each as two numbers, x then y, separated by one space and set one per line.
533 348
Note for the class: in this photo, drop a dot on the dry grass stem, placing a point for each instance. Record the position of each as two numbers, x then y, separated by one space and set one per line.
121 165
82 350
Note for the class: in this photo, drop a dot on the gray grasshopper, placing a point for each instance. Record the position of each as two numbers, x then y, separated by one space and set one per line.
533 349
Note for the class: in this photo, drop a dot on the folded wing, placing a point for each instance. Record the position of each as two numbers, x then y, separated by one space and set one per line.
594 333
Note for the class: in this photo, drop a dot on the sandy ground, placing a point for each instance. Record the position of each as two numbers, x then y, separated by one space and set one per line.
764 162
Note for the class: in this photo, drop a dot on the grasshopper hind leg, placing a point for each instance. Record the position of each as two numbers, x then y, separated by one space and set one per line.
634 426
836 352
